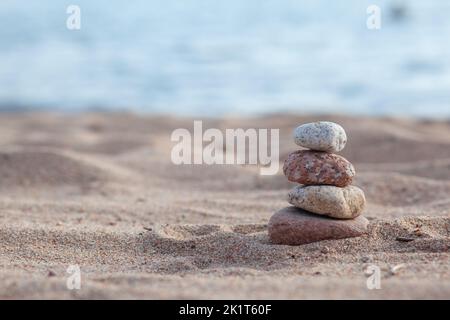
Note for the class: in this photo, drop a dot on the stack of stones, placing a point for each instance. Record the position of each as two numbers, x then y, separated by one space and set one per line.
325 205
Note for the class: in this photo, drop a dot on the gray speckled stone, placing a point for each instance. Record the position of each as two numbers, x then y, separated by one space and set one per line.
321 136
294 226
335 202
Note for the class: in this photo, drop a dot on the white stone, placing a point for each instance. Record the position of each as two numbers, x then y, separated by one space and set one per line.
321 136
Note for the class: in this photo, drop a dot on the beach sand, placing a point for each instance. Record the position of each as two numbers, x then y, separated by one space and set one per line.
98 190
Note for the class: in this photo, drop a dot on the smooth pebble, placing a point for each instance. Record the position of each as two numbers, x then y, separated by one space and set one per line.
321 136
313 167
331 201
294 226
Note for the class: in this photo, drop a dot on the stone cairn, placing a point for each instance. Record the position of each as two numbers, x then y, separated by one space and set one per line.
325 205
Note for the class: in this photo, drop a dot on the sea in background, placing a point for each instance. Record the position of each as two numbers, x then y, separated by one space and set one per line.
203 57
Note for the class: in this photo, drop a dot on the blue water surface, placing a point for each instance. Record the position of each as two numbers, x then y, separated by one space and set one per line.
203 57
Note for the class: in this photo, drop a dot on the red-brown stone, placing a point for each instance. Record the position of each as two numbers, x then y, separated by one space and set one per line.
294 226
315 168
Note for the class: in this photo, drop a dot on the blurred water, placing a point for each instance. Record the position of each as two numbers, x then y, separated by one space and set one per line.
207 57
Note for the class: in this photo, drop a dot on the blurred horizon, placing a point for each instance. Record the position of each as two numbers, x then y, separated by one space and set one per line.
213 58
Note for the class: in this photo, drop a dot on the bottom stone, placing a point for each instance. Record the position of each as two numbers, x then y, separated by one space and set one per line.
294 226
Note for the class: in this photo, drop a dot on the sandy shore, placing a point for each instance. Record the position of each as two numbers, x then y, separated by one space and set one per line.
100 191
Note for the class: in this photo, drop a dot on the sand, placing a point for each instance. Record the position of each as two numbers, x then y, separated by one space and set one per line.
98 190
